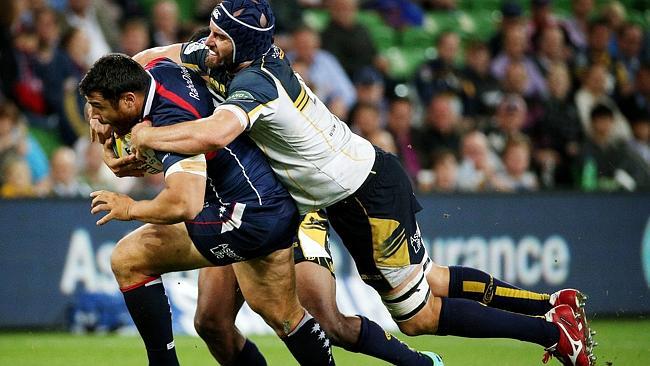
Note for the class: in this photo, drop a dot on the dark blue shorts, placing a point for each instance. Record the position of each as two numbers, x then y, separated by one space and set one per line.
236 232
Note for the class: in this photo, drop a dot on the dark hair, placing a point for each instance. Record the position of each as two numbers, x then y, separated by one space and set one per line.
112 75
601 111
199 34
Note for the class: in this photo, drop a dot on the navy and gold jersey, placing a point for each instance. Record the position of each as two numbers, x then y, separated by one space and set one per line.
237 173
314 154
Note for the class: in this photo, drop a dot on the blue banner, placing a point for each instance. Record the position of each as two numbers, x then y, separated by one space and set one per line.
55 263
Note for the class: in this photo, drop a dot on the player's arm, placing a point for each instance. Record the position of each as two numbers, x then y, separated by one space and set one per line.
194 137
180 200
172 52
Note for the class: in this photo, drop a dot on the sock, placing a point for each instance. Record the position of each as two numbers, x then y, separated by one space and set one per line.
309 344
376 342
250 355
473 284
467 318
148 305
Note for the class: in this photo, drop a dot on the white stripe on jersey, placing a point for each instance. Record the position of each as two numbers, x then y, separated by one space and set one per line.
259 198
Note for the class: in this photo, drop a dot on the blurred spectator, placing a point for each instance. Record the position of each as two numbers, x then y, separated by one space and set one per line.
641 136
400 117
614 14
28 90
148 186
514 50
134 37
443 176
630 42
165 23
441 128
440 75
95 174
511 16
597 52
509 120
577 25
15 143
516 176
559 133
638 103
551 50
331 83
608 163
62 75
541 19
48 31
481 91
64 179
397 13
17 180
365 120
478 165
83 14
346 38
370 89
593 92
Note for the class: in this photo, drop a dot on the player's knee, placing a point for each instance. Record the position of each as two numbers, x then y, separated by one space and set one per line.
210 327
124 263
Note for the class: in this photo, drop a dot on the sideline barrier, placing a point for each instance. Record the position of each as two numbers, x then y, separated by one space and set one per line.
55 265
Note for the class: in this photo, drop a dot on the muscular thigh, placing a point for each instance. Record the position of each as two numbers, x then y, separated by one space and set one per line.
378 227
156 249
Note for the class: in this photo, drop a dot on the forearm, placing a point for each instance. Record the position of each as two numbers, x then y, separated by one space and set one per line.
191 138
165 209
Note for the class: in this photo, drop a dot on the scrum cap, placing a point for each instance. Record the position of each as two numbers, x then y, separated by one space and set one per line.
249 24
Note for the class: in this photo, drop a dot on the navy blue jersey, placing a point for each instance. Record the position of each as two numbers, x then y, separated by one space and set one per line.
237 173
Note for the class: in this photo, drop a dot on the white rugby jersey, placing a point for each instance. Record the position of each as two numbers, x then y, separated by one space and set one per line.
315 155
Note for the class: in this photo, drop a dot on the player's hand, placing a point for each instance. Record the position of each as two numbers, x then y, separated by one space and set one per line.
116 204
139 134
126 166
98 132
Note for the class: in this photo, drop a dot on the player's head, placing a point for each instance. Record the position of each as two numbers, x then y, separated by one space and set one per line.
200 36
114 87
241 30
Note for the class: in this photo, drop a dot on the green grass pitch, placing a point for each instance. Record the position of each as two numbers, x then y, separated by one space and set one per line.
622 343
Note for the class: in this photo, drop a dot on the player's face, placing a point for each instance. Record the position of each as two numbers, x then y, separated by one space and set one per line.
121 116
220 47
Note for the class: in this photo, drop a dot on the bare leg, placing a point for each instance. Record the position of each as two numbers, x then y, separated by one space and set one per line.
217 306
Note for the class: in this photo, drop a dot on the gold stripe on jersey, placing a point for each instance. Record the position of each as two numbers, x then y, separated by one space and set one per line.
390 247
300 97
303 104
192 67
473 286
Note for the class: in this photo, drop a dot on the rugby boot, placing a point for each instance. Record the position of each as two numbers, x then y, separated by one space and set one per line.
571 348
436 360
576 300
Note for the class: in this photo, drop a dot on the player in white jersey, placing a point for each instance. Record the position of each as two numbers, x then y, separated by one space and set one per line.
368 196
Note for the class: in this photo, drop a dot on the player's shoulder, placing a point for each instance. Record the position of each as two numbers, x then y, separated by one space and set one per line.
161 66
254 81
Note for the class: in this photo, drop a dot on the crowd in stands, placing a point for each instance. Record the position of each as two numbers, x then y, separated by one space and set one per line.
540 95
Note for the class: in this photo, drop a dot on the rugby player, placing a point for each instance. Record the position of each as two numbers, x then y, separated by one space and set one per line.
221 208
368 197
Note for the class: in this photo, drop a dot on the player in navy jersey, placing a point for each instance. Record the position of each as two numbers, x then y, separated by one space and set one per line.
220 208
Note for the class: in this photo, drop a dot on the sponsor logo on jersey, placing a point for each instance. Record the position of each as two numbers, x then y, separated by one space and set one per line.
190 84
241 95
222 251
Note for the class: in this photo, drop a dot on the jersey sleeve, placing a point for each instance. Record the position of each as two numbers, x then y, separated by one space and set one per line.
193 56
255 93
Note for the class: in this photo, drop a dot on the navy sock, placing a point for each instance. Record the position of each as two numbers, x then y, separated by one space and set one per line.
149 308
473 284
467 318
309 344
375 341
250 355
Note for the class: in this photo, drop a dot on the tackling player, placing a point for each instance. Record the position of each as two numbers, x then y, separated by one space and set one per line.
368 197
217 209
